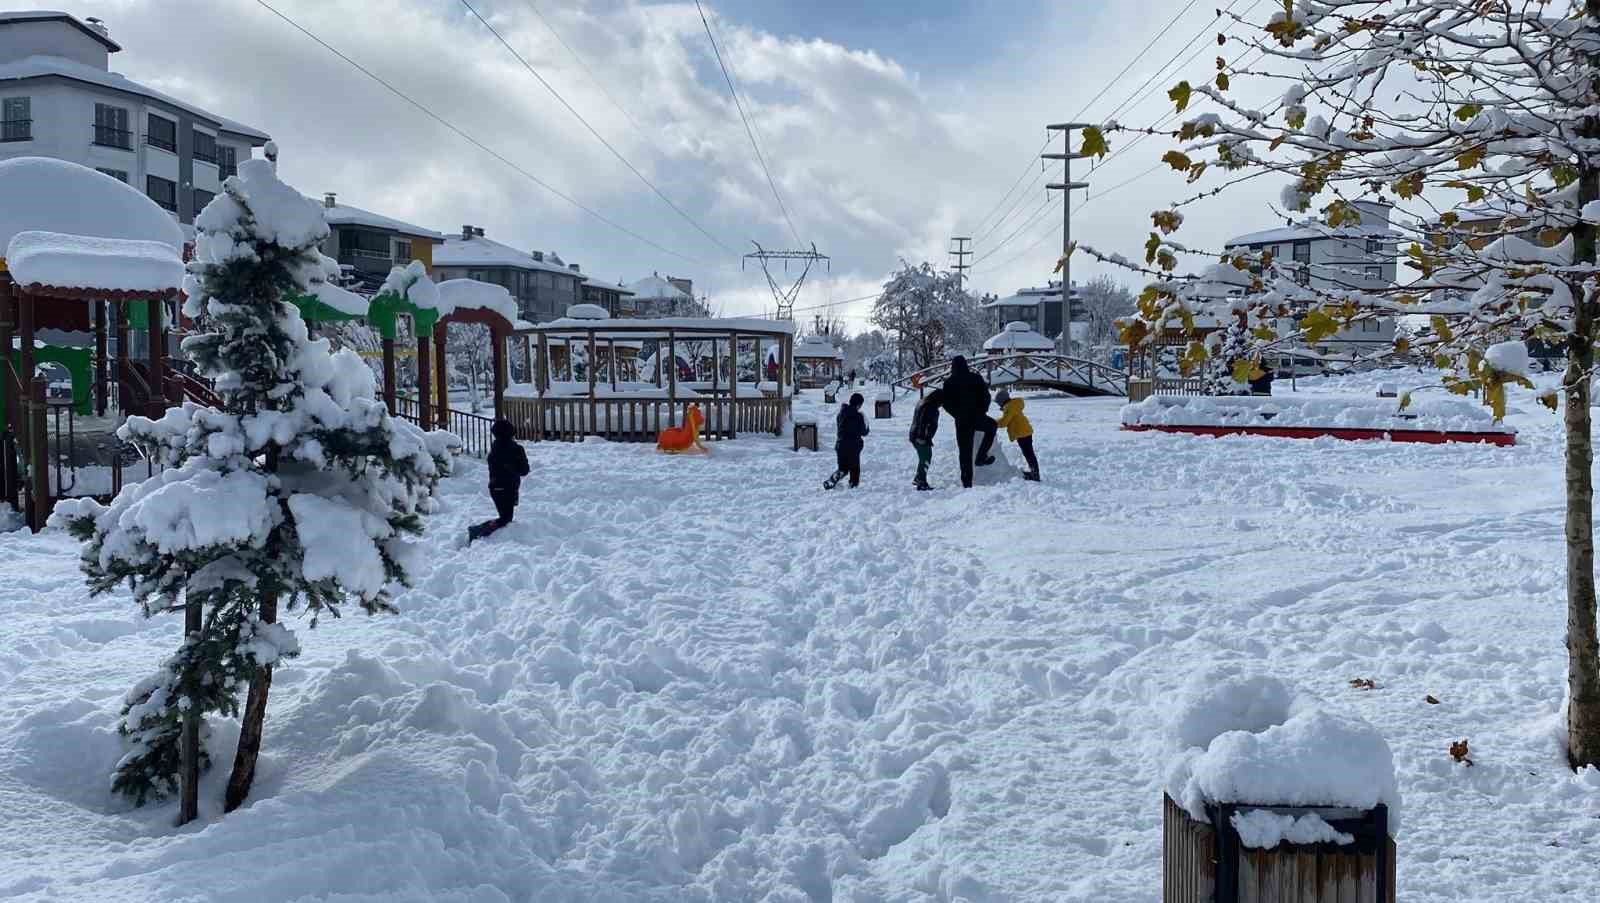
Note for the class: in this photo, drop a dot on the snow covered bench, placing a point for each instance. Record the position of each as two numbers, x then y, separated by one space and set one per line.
1433 420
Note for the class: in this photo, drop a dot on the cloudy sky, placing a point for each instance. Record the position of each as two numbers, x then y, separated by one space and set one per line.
888 126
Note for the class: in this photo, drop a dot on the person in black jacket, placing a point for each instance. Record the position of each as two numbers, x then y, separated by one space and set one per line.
924 424
966 400
851 439
508 464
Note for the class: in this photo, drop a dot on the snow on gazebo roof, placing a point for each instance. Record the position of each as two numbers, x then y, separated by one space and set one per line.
470 294
587 312
1018 336
689 327
654 287
816 346
45 195
83 262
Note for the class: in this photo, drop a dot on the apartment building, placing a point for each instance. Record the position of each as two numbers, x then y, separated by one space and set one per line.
543 284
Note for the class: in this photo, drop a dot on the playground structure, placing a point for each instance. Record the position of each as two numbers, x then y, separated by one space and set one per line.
106 266
1027 370
677 440
817 362
693 363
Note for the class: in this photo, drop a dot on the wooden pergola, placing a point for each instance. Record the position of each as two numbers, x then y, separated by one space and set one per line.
639 410
1152 364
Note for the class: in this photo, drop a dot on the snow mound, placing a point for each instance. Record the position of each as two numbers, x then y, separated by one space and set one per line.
1263 829
1325 411
1509 357
90 262
1251 739
42 194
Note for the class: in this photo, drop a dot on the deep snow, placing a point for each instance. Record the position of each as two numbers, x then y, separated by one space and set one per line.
704 678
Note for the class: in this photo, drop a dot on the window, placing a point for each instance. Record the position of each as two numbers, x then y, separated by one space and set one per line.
121 175
362 243
205 147
111 127
1371 326
201 199
162 133
1302 252
1302 274
227 161
16 119
163 191
1374 246
547 280
402 250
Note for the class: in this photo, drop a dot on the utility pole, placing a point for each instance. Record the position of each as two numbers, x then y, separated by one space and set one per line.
1066 187
959 255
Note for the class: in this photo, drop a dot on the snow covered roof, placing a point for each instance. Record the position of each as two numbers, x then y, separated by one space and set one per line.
688 327
470 294
1018 337
99 264
608 286
346 215
53 15
1022 299
49 195
654 287
41 66
816 346
1310 231
587 312
479 251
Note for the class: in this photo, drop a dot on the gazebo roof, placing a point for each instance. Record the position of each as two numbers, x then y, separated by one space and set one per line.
815 347
47 195
1018 336
56 264
683 327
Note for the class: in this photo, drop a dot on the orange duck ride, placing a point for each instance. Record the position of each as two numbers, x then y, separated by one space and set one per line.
677 440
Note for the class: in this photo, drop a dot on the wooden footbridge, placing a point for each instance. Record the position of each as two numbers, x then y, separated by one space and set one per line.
1030 370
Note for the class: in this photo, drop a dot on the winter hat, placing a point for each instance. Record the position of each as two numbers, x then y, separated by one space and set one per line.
1002 396
503 429
856 400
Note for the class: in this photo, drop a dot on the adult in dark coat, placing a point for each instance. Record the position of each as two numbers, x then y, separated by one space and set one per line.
966 400
508 464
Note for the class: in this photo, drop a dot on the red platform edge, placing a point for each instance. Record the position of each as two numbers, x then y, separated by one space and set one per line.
1314 432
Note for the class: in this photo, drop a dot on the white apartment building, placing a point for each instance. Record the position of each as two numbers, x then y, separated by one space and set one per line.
59 98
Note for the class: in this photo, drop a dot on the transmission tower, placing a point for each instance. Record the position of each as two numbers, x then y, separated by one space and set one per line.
785 297
958 257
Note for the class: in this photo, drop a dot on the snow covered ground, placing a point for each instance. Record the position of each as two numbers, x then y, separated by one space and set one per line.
681 678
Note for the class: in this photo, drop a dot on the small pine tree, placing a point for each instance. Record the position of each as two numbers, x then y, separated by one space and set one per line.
302 490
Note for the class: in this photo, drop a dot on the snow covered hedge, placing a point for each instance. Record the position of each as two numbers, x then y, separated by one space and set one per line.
1440 414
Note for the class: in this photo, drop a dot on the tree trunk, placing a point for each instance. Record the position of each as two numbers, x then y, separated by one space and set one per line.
255 716
189 748
1583 648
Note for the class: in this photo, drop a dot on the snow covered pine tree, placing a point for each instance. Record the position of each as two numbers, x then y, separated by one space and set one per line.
301 491
1495 103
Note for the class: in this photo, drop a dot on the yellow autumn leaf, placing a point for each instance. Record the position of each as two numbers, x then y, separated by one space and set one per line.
1296 118
1222 81
1178 160
1196 170
1470 157
1180 95
1151 247
1402 345
1549 400
1094 142
1166 261
1494 395
1405 400
1441 328
1466 111
1317 325
1246 370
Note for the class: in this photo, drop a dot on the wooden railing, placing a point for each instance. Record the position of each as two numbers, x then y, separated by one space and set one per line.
640 420
474 430
1040 369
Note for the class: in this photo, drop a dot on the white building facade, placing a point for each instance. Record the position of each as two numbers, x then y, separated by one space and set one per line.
58 98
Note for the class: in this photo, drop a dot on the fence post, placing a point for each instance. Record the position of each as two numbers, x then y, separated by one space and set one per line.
38 454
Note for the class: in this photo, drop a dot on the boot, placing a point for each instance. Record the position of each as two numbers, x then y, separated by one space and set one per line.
985 461
833 481
1030 475
922 485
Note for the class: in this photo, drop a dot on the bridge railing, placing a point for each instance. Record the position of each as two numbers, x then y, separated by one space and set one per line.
1026 367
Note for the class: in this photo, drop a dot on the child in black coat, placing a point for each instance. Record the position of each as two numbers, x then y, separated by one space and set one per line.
924 424
851 439
508 464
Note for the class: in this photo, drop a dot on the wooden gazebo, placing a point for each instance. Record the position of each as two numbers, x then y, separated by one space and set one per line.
1153 365
568 409
817 362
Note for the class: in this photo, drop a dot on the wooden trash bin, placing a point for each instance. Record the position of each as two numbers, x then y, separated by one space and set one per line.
805 436
1206 862
882 410
829 397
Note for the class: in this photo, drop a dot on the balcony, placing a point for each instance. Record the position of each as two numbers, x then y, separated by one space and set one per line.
16 130
106 136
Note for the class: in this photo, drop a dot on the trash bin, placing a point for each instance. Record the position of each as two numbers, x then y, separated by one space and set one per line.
805 434
882 409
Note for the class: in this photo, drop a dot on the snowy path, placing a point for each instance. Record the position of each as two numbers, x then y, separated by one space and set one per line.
706 679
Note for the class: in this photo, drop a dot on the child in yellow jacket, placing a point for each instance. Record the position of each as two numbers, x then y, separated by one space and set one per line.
1018 430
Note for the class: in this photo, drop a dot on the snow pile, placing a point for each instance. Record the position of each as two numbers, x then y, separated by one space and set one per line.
43 194
413 283
1509 357
587 312
1018 336
470 294
1436 414
93 263
1263 829
1242 738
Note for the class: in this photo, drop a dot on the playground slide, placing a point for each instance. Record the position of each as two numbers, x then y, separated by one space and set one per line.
677 440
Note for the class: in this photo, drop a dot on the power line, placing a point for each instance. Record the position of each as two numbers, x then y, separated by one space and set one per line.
579 60
1032 159
760 158
1168 64
1137 57
475 142
599 137
995 226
